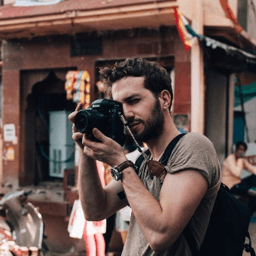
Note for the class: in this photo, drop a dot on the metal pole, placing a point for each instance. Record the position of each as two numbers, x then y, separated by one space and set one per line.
242 106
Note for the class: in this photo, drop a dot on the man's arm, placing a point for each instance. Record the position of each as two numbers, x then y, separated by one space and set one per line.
97 202
162 222
249 167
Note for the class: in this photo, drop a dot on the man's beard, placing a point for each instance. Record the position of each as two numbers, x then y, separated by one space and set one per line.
153 126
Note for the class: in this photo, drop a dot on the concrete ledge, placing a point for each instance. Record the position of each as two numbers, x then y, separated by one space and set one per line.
52 208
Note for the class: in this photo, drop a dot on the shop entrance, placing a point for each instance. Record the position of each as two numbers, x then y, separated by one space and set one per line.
48 145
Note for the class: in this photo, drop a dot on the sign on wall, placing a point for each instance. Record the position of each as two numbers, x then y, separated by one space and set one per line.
181 122
10 154
35 2
9 132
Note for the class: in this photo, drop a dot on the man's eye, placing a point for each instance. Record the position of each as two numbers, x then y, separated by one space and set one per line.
133 101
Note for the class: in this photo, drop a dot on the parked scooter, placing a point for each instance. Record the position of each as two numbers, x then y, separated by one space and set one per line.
21 226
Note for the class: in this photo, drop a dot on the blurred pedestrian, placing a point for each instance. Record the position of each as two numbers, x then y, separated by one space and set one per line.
94 230
123 216
91 231
111 219
233 166
232 169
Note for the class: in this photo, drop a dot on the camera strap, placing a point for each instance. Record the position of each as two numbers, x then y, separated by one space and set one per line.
156 168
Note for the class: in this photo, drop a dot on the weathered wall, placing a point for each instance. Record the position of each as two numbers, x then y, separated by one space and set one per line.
216 111
54 53
9 1
216 8
247 16
251 18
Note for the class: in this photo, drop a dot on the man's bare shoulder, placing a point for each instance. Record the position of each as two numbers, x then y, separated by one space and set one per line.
231 157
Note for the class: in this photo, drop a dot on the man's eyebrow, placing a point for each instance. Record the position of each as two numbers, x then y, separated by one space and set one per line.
130 97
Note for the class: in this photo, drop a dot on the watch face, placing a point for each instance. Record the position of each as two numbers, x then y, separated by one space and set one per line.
116 174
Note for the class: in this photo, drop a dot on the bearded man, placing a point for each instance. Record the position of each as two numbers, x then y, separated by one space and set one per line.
161 209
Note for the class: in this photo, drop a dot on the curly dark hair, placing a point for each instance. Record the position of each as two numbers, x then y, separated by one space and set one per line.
157 78
241 143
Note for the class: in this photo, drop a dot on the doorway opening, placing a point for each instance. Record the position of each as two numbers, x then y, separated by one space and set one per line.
49 148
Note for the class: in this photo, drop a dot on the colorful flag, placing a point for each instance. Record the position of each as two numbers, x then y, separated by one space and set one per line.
230 14
187 36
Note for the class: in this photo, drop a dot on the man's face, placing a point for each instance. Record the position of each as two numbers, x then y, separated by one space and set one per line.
240 151
141 109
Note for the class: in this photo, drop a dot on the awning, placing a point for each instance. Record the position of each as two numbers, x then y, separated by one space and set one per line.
228 57
222 55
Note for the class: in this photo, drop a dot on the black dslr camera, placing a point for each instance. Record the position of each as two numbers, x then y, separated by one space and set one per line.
103 115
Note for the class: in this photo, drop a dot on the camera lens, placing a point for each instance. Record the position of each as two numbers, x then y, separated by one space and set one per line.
88 119
81 121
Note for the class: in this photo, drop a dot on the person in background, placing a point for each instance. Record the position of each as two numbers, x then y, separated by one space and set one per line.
123 216
111 219
91 231
94 230
232 169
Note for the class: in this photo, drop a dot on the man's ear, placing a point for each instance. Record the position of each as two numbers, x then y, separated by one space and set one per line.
165 98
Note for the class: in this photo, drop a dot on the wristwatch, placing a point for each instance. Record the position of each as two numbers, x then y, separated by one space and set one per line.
117 171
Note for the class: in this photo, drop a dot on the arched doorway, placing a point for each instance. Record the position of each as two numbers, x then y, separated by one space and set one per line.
46 108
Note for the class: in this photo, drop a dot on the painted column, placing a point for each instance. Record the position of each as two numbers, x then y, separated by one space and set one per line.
197 73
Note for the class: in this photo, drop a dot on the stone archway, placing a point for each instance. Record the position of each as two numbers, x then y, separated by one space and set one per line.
43 96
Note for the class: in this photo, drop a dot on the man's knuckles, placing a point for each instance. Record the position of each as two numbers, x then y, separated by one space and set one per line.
98 134
77 136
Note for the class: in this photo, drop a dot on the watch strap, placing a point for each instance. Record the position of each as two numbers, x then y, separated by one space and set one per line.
125 165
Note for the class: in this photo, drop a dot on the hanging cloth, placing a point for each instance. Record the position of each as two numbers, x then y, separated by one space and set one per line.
78 86
186 36
229 13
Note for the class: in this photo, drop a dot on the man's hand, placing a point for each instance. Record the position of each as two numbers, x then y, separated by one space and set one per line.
106 150
76 135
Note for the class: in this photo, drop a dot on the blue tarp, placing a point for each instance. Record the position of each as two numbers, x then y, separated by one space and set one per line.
248 92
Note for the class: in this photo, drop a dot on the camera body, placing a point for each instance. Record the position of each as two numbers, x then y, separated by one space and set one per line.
104 114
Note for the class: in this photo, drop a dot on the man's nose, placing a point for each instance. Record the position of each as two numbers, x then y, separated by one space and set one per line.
128 113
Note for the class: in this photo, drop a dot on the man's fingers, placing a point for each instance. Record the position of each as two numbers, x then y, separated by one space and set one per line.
79 106
77 136
88 152
98 135
71 117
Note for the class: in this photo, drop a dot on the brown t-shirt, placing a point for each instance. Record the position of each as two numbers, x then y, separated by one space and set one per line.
193 151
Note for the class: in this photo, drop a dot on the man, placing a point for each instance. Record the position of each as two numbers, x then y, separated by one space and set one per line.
160 211
233 166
